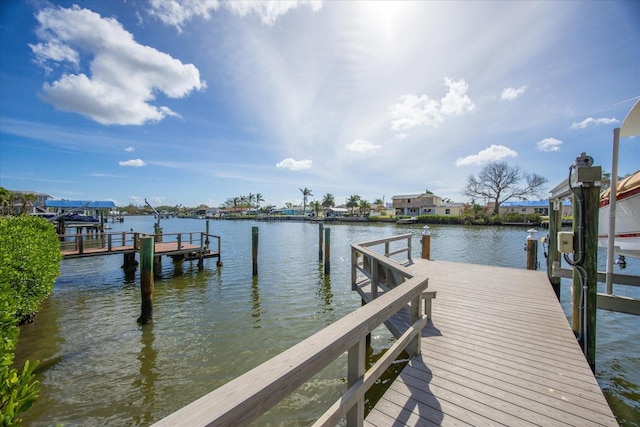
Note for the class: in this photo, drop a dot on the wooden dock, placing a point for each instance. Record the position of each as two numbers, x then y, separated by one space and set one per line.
498 350
493 348
183 246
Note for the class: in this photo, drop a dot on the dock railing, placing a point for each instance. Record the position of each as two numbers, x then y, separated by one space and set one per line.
252 394
81 244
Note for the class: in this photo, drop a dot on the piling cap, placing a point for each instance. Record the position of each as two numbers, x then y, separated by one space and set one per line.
532 234
425 230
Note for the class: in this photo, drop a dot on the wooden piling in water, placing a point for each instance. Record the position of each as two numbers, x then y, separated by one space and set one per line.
254 249
327 250
320 231
146 279
531 246
426 243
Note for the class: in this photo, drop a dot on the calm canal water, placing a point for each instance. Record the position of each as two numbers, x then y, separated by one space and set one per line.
98 367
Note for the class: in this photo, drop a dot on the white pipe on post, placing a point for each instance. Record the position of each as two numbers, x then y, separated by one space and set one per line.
612 210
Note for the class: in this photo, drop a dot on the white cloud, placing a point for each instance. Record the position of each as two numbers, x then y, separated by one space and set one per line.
125 76
493 153
591 121
510 93
549 144
362 146
294 165
176 13
133 162
129 149
413 111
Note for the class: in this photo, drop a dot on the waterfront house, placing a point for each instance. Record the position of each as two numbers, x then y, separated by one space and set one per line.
525 207
34 203
450 209
416 204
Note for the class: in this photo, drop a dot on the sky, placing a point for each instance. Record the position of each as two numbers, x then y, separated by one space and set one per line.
189 103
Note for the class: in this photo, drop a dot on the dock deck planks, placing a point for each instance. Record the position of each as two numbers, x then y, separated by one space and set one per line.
498 351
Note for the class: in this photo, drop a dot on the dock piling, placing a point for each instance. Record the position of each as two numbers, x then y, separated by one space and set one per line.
531 246
146 279
254 249
320 230
327 250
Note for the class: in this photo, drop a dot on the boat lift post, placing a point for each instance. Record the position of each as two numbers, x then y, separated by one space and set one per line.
630 127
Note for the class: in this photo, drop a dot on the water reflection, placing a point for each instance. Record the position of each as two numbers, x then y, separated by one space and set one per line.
255 300
146 381
324 288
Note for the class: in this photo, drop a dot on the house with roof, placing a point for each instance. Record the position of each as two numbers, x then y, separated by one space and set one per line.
416 204
525 207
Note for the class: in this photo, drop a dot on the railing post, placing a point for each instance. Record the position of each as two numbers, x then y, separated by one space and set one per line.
409 248
413 348
356 370
80 243
354 268
386 249
375 278
109 242
179 241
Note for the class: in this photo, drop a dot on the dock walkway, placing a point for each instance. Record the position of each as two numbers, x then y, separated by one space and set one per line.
498 350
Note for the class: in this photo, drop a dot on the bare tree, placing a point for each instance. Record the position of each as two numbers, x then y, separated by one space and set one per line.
500 182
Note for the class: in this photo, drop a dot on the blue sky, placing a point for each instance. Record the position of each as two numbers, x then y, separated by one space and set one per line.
196 102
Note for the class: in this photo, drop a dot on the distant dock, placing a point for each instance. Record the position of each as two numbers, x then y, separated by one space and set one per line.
179 246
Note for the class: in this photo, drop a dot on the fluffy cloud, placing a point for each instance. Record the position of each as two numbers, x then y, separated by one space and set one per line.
362 146
176 13
412 110
491 154
129 149
133 162
591 121
549 144
294 165
125 76
510 93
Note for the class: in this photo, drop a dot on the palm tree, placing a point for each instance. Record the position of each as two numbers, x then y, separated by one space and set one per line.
250 199
379 204
258 199
353 201
316 206
236 200
365 207
328 201
306 193
27 201
5 201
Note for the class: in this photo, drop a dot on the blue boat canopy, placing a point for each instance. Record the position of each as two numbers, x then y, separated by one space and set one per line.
79 204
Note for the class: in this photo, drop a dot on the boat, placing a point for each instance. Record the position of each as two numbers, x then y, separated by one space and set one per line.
627 229
77 217
411 220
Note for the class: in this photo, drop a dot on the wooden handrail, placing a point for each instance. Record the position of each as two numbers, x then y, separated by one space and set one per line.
252 394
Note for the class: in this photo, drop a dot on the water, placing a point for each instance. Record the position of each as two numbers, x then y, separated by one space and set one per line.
98 367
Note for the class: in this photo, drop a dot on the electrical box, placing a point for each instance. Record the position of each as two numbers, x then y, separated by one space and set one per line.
565 242
589 174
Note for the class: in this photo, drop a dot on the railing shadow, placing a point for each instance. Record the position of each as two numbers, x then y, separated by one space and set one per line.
417 376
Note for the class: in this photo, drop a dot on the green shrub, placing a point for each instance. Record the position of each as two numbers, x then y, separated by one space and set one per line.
29 263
